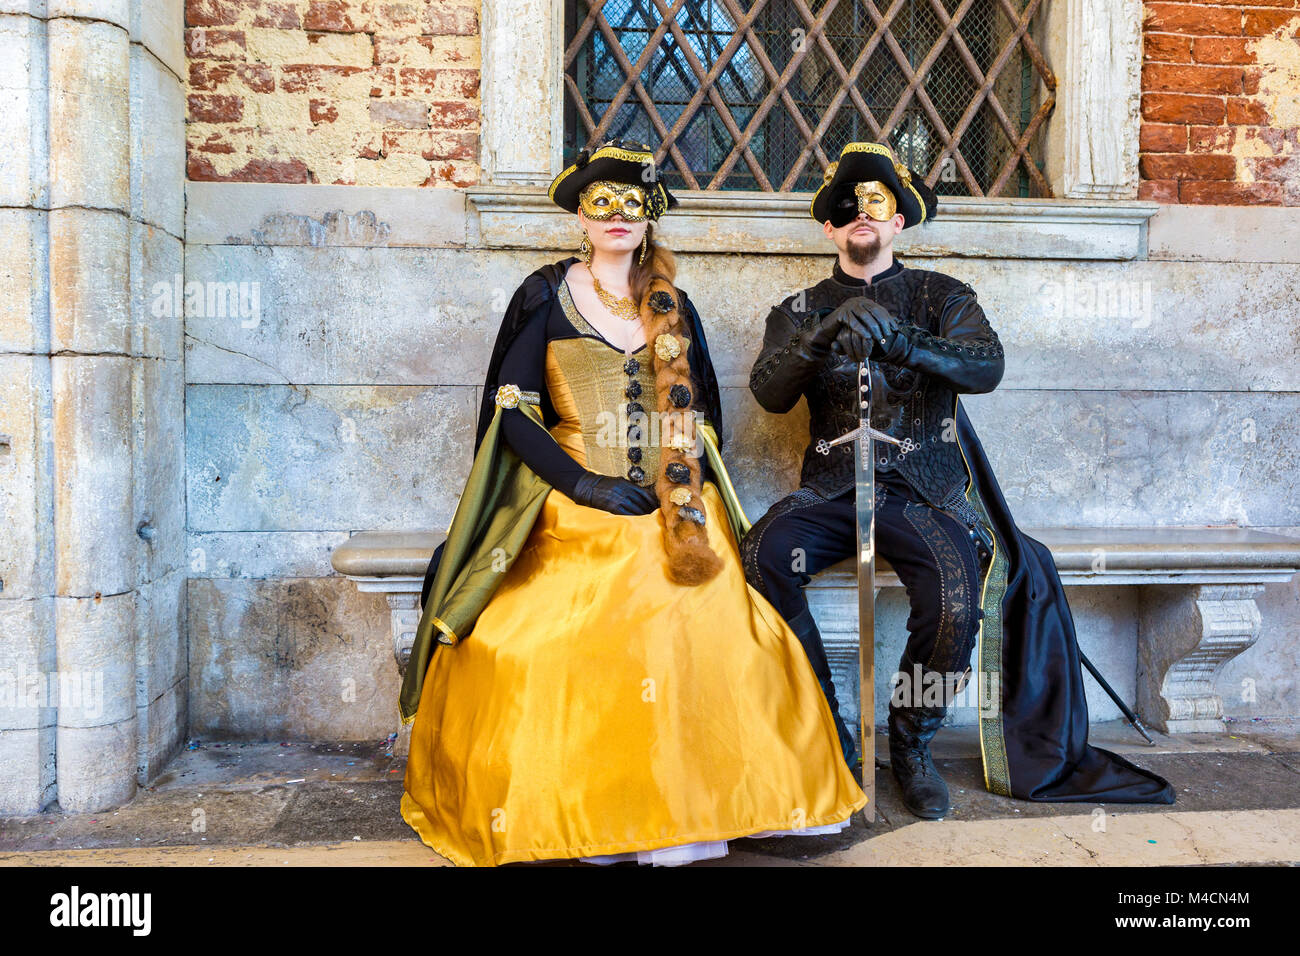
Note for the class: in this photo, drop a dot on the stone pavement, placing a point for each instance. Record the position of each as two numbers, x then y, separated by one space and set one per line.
231 803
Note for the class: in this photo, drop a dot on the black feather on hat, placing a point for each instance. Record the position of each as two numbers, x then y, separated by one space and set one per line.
874 162
617 161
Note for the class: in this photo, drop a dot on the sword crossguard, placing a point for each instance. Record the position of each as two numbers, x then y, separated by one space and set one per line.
824 447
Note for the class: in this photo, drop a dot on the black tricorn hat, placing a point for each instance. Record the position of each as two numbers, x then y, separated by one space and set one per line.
617 161
874 162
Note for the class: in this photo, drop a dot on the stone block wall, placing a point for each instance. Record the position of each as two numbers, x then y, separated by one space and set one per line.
350 406
1221 103
93 658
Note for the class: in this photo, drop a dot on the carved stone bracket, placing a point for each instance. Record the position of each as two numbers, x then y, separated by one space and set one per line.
1185 636
404 612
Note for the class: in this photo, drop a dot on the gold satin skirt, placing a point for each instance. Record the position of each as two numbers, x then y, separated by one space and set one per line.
599 708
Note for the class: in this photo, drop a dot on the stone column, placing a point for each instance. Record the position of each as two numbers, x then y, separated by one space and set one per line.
1185 636
522 90
90 474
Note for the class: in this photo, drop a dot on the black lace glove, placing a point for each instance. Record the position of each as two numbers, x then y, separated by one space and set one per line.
618 496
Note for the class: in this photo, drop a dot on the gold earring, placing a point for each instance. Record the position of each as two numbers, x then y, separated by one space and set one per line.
645 244
584 249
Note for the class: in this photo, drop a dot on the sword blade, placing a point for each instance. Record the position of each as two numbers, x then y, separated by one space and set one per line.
865 491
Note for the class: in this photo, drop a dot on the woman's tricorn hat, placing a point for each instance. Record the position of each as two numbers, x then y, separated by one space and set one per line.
617 161
868 162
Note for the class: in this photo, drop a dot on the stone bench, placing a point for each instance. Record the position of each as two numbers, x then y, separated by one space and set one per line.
1196 609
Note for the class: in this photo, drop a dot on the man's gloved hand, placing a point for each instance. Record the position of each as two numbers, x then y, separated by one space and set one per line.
866 330
618 496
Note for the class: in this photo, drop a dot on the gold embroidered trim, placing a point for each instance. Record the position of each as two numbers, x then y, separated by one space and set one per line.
442 626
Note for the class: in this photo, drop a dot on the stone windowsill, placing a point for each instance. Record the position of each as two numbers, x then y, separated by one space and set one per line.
750 223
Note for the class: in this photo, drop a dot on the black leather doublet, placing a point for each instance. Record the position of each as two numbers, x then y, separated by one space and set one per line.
940 316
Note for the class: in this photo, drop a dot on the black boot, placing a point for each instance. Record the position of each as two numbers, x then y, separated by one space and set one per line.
910 731
805 628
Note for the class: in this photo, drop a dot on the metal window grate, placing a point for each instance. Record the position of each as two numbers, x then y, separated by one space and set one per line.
763 95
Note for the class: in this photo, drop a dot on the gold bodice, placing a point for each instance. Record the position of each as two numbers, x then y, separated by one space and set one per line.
587 382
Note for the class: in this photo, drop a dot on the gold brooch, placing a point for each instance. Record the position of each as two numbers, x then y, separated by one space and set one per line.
508 396
904 174
667 347
830 172
680 496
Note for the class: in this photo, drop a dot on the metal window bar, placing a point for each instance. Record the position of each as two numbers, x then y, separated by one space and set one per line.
762 95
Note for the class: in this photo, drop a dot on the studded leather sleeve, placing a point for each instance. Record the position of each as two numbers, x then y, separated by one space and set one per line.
794 349
966 353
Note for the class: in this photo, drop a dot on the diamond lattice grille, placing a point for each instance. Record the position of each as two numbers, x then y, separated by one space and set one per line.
763 95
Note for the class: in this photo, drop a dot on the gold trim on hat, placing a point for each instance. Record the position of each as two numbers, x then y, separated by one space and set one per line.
880 149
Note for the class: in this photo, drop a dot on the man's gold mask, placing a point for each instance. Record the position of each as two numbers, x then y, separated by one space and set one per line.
601 200
876 200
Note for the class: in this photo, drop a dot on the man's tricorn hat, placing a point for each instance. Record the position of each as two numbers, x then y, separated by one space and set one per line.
617 161
868 162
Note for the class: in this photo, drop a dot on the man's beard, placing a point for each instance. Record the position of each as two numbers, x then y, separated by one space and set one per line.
862 250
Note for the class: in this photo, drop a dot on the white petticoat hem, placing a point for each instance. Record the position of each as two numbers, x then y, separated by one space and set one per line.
706 850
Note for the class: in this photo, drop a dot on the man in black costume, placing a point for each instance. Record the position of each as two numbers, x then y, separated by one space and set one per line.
971 576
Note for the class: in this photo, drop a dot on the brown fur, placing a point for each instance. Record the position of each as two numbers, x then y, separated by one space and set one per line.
690 558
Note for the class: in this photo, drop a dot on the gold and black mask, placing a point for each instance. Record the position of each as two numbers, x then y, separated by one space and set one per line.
602 199
873 198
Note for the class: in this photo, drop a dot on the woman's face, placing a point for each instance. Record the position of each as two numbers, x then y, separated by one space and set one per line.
608 225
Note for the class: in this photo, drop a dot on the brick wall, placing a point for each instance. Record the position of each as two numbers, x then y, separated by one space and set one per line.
1221 103
333 91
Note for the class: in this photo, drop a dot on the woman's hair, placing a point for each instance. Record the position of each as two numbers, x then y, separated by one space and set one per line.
659 264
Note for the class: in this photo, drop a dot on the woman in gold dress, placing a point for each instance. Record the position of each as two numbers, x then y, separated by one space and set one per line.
592 677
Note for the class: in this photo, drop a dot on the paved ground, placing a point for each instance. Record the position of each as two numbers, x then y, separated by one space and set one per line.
272 804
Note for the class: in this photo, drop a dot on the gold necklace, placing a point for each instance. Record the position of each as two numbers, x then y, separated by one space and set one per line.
624 308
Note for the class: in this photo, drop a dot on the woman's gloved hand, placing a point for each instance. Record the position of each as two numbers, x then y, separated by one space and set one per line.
618 496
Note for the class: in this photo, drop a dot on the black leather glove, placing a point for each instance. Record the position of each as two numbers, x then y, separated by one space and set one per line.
618 496
866 330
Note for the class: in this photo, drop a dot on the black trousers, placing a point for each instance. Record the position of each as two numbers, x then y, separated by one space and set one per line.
936 558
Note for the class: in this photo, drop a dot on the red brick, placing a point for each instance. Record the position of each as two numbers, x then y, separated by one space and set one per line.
441 18
459 175
1245 112
212 13
255 171
462 146
1280 169
307 77
215 108
332 16
1250 80
1165 166
452 115
1176 78
1222 50
1167 48
1191 19
215 44
1231 194
206 76
1182 108
450 84
1163 138
278 16
1210 139
1260 23
1162 190
322 111
215 143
